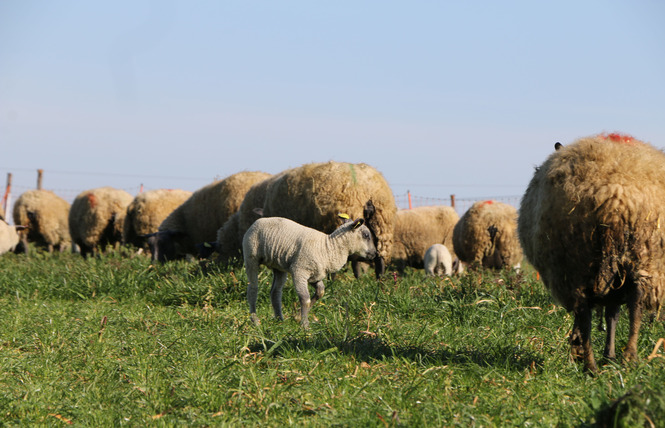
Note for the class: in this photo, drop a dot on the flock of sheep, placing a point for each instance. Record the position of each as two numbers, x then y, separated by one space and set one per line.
589 222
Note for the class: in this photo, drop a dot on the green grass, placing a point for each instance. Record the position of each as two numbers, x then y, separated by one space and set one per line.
118 341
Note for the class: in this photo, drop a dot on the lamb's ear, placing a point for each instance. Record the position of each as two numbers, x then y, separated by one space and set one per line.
358 223
557 145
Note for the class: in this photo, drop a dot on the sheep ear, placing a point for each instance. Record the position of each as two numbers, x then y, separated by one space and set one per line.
557 145
358 223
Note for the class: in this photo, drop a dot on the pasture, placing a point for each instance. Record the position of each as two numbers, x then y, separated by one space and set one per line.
117 341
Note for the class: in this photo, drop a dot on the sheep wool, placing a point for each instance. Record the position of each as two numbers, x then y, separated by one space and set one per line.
229 236
9 238
486 236
46 215
199 218
315 194
96 218
147 211
418 229
307 254
592 223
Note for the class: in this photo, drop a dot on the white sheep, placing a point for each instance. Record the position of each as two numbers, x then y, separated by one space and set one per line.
438 261
309 255
9 238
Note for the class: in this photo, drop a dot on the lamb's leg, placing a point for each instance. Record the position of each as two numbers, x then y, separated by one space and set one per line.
278 281
252 269
355 266
581 338
320 291
635 314
301 285
611 318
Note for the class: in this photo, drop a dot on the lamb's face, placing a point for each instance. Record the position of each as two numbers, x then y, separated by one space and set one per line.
365 244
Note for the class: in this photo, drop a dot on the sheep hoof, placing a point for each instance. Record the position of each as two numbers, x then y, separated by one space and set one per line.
255 319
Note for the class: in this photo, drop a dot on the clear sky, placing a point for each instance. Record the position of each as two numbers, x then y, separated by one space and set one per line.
442 97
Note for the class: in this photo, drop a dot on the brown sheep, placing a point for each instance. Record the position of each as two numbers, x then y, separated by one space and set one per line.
46 216
96 218
486 236
147 211
201 215
591 223
418 229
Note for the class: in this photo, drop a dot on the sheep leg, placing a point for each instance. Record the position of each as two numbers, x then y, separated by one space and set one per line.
301 285
278 280
252 270
611 318
320 291
635 314
581 337
379 266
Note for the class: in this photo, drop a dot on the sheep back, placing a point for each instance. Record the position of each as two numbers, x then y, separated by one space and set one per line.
148 210
96 217
418 229
9 238
46 215
207 209
486 235
314 195
593 210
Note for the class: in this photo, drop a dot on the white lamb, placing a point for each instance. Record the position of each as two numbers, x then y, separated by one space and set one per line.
438 260
309 255
9 238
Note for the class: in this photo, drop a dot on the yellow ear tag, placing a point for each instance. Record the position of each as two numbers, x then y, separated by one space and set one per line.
343 215
207 245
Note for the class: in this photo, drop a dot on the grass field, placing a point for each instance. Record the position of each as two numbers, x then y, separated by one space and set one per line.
117 341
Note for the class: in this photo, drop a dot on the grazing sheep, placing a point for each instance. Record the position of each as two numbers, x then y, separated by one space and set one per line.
46 216
418 229
96 218
9 238
147 211
309 255
591 222
486 236
229 236
314 194
201 215
438 261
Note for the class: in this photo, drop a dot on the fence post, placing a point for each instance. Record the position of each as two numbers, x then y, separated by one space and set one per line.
408 192
452 201
40 176
8 189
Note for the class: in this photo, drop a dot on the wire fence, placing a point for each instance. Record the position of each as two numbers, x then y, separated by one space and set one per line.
461 205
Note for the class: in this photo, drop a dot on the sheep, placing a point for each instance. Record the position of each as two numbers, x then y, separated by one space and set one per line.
96 218
147 211
9 237
438 261
418 229
486 235
590 223
46 216
229 237
307 254
314 194
198 219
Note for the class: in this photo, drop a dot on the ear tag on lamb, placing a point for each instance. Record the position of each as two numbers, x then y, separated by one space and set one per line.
207 245
358 223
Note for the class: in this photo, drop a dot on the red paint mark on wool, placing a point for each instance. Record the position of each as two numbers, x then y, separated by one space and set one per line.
618 138
488 202
92 200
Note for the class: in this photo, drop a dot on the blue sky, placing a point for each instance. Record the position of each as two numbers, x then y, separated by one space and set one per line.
443 98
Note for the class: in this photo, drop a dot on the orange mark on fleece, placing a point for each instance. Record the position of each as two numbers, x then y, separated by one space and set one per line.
92 200
488 202
618 138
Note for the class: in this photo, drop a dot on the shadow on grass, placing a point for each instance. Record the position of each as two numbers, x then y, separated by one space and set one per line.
372 348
